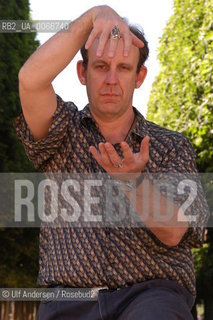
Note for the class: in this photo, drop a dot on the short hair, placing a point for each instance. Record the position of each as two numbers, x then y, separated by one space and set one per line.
144 52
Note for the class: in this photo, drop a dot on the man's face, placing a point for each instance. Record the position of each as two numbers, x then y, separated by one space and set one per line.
111 82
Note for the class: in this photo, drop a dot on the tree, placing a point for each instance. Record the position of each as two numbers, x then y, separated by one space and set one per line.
19 247
15 48
181 97
182 100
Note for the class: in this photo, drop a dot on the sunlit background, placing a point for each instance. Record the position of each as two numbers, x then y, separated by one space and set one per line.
152 15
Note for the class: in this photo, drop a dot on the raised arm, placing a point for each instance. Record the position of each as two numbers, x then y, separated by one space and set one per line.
37 95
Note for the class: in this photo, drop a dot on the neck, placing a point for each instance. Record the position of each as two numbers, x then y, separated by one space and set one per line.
116 130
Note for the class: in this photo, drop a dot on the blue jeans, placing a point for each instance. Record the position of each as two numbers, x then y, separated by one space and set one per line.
150 300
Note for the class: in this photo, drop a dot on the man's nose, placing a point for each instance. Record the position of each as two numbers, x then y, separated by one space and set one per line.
111 77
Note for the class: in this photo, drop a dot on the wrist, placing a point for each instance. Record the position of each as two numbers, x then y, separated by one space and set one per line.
102 10
130 185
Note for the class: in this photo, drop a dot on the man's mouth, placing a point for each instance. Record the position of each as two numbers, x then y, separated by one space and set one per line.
110 94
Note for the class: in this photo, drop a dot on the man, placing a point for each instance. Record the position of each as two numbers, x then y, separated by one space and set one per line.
139 273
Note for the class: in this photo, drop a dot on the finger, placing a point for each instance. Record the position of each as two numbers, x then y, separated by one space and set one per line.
127 153
113 155
127 43
136 41
97 156
104 155
94 33
112 47
144 150
102 42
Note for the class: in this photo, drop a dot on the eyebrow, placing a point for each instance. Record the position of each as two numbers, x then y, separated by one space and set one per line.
99 61
129 65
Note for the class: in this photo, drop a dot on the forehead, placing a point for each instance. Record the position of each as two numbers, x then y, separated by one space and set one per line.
132 57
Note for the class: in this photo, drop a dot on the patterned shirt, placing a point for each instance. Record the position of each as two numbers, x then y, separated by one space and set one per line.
113 257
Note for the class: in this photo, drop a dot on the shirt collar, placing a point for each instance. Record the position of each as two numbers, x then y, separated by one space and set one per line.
85 113
140 129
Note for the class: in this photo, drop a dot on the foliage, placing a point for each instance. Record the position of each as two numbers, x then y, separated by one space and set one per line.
18 247
203 266
19 257
15 48
182 96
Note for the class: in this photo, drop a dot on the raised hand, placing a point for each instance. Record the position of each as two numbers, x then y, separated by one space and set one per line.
104 20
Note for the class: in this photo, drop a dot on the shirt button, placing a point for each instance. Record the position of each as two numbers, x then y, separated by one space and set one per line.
107 231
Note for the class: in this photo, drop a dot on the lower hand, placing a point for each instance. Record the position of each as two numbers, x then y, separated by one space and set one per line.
134 163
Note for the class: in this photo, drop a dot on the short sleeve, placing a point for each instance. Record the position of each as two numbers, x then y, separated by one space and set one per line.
42 150
189 192
198 209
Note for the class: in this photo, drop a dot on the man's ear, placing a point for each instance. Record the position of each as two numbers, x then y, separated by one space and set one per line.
141 77
81 72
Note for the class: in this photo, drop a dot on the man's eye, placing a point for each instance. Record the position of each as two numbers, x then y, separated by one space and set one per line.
101 66
124 67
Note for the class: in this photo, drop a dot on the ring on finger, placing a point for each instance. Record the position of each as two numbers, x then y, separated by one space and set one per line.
115 33
120 164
